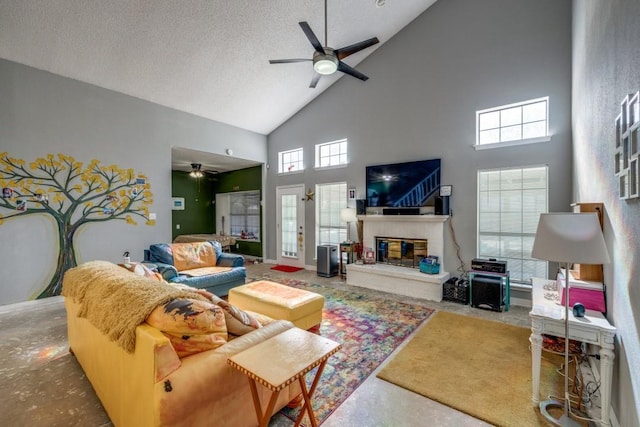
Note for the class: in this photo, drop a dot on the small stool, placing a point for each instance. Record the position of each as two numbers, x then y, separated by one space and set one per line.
302 308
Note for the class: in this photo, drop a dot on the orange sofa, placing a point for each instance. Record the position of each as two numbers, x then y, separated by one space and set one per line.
152 386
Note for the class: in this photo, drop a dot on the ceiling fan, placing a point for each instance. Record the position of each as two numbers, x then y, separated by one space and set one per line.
198 172
327 60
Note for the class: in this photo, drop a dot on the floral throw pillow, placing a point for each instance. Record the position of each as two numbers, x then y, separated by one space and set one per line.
183 316
186 345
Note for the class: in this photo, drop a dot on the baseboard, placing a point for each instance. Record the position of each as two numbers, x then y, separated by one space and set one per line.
521 302
26 305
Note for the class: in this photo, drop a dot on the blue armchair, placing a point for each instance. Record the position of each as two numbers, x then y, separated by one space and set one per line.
214 278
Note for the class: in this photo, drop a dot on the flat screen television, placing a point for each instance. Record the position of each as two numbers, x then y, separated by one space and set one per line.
410 184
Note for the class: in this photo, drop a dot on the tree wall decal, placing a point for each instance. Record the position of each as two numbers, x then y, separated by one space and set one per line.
73 194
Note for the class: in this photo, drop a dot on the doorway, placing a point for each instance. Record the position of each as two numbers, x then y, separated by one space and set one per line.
290 225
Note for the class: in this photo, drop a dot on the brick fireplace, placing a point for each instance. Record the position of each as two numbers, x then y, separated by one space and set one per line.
400 279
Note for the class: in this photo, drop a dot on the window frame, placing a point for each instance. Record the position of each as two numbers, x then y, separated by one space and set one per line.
246 215
281 162
521 141
530 235
338 143
342 203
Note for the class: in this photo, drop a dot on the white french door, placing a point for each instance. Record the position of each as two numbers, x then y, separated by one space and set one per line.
290 225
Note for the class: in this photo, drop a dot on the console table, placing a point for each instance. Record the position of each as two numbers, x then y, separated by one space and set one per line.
547 317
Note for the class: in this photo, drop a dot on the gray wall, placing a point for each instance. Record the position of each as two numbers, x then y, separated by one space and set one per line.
606 67
425 86
41 113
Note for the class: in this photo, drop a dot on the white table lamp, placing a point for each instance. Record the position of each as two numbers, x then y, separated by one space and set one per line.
568 238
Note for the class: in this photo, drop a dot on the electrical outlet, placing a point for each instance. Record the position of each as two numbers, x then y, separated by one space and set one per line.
152 216
177 226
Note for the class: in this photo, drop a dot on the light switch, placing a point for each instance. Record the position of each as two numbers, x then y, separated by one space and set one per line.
177 226
152 216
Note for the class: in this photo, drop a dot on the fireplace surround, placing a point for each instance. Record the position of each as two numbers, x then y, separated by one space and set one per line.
402 279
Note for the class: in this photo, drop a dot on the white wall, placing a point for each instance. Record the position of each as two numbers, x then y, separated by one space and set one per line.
606 67
425 86
41 113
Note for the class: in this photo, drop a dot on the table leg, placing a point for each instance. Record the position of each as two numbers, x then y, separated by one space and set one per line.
536 353
306 396
606 368
263 418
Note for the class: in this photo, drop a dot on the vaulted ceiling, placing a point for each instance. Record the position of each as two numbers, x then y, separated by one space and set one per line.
209 58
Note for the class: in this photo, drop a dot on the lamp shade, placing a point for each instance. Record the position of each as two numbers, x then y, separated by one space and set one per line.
348 215
570 238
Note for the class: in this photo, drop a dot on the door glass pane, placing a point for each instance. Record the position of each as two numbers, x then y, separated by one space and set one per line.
289 222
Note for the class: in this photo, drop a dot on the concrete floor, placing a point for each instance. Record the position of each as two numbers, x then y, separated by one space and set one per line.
377 402
33 353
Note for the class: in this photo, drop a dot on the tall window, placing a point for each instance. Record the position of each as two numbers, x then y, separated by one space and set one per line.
510 202
330 199
290 161
245 214
331 154
524 121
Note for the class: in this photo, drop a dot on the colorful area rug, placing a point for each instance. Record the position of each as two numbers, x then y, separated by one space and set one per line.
479 367
286 268
368 327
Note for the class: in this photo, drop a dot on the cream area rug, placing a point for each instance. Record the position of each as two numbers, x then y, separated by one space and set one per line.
479 367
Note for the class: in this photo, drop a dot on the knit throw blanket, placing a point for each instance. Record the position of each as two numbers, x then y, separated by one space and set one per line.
116 300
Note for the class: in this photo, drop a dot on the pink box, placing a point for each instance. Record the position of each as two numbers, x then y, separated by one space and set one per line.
592 299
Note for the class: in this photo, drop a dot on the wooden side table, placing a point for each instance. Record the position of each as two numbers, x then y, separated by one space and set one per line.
281 360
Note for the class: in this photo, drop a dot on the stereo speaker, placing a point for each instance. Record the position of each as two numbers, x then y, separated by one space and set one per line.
401 211
487 292
441 205
361 206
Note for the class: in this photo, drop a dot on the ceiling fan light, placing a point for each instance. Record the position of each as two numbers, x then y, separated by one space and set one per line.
325 64
195 170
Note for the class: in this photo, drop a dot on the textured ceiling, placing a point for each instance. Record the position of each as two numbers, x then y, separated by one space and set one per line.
208 58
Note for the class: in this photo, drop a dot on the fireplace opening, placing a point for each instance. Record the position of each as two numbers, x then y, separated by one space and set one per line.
401 252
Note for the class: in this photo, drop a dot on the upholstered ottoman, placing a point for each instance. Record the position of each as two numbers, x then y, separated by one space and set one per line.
302 308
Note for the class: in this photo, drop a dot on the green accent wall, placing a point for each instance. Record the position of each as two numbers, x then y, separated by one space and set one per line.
198 215
242 180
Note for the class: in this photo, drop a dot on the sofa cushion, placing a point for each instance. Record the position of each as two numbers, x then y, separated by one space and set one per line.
142 270
163 253
188 317
205 271
238 322
186 345
193 255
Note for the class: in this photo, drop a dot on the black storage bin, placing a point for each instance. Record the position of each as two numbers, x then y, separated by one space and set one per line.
456 291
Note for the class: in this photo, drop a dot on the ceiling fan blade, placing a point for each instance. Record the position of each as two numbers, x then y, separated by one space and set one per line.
314 80
288 61
312 37
351 71
343 52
